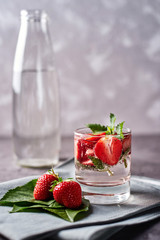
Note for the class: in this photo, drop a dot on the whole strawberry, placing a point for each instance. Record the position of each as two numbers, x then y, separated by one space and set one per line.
68 193
43 185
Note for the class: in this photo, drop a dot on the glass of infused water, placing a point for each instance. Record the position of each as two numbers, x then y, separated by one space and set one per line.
103 162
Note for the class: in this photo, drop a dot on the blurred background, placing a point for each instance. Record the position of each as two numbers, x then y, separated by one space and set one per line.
107 54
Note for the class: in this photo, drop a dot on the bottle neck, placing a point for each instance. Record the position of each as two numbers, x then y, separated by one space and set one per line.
35 21
34 47
34 15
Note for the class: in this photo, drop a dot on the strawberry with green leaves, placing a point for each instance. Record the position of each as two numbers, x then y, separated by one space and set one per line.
43 186
67 193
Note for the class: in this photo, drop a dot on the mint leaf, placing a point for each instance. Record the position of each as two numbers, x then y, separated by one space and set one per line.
119 129
97 162
19 194
75 215
55 204
47 203
96 127
59 210
21 198
17 208
99 165
60 213
112 122
71 214
20 208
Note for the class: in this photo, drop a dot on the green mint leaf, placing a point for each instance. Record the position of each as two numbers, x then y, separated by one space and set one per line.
119 129
59 212
33 201
71 215
97 162
55 204
96 127
56 209
19 194
75 215
112 122
19 208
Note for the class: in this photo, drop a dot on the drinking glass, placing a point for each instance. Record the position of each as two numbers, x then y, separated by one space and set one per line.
103 183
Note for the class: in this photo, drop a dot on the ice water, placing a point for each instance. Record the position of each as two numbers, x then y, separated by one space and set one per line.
36 134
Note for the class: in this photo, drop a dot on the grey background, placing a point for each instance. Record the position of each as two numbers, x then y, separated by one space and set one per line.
108 58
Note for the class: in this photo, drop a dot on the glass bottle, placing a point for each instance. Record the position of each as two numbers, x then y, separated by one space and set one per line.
36 130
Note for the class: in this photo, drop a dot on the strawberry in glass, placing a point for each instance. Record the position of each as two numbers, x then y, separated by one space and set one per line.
103 161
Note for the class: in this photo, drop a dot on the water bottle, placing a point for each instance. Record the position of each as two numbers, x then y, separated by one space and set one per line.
36 130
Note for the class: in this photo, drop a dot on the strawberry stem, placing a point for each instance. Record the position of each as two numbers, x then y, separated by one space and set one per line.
51 172
125 162
110 173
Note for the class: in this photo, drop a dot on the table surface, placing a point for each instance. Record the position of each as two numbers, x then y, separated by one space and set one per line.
145 162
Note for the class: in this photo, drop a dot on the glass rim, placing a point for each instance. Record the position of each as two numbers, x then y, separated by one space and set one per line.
79 133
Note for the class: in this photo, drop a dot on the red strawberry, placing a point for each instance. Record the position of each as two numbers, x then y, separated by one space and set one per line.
87 162
95 137
79 149
126 143
85 147
108 149
89 152
88 143
43 185
68 193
